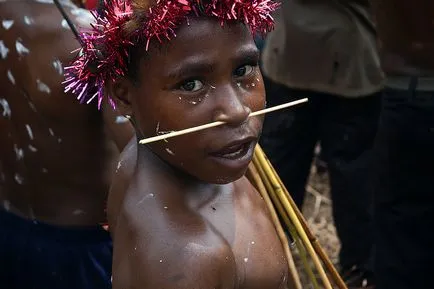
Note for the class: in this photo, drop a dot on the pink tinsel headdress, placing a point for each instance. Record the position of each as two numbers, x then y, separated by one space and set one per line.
104 53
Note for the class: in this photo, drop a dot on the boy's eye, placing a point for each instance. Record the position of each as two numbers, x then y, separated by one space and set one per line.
192 85
243 70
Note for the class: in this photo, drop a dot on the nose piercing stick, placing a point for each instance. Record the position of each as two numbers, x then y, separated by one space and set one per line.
218 123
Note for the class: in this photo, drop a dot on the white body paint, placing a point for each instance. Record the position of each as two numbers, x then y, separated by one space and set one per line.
29 131
78 212
18 152
3 50
58 66
121 119
6 109
21 49
65 24
43 87
32 149
19 179
11 77
28 20
7 205
170 152
7 24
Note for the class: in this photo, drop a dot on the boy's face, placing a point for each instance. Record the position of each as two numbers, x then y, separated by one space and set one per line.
206 74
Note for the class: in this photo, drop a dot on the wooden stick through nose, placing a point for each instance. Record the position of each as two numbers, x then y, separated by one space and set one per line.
217 123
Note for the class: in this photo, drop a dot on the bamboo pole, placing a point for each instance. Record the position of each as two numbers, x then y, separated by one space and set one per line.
256 179
287 221
314 240
294 218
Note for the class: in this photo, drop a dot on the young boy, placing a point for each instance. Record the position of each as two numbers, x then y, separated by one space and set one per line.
181 211
56 157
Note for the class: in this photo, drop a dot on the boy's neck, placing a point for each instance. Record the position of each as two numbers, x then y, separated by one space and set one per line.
191 189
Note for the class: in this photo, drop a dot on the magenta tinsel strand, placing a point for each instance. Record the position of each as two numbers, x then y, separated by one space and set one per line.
106 46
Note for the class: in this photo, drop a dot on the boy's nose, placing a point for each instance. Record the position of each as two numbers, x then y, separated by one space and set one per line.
231 108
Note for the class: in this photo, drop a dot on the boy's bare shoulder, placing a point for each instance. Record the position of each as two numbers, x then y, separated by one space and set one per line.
169 246
121 181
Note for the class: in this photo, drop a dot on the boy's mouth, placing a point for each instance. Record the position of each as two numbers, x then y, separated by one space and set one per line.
233 152
237 150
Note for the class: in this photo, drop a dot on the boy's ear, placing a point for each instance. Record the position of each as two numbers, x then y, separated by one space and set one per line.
121 93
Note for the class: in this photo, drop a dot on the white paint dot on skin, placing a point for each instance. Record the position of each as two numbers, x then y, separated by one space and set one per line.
32 106
246 260
29 131
170 152
21 49
32 149
58 66
7 205
121 120
65 24
11 77
157 128
18 152
253 242
19 179
45 1
161 261
3 50
7 24
28 20
42 87
119 165
166 208
78 212
6 109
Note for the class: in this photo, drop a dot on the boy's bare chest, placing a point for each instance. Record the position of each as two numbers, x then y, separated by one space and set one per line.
248 237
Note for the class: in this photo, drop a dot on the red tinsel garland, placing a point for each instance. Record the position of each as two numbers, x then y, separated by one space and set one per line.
105 47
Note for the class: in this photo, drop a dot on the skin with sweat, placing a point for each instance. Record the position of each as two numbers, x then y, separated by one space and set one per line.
55 154
181 212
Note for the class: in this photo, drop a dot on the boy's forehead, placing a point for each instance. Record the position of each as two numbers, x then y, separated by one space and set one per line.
205 32
201 45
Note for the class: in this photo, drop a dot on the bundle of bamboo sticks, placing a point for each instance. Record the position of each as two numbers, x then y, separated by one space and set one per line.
282 207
